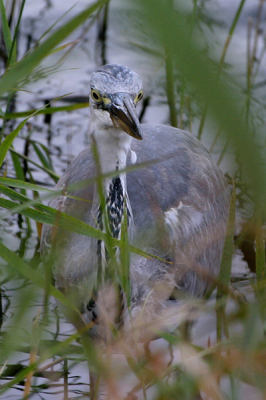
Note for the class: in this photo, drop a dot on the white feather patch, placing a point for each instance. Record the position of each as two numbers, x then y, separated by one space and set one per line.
133 156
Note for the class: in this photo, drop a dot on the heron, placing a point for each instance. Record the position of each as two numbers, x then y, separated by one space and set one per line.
175 208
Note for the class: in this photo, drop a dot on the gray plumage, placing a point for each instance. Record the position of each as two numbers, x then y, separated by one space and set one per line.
177 209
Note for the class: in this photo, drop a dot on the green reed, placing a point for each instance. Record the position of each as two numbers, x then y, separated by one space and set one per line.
178 38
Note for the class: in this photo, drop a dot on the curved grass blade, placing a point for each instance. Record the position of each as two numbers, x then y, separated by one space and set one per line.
44 158
9 140
5 27
4 147
13 51
50 216
19 171
21 70
260 288
224 101
225 269
45 111
51 173
24 270
24 185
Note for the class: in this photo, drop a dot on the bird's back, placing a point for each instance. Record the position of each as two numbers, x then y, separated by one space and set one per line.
180 202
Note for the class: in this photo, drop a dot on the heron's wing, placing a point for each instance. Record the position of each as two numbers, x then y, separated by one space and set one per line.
179 204
66 250
180 207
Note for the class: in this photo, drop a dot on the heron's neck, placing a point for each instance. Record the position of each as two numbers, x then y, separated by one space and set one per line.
112 146
112 150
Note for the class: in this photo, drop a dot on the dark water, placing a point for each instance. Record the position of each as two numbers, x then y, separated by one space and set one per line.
65 133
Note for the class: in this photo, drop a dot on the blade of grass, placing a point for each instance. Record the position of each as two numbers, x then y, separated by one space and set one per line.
124 264
55 23
260 251
45 111
64 46
5 27
52 174
260 267
170 82
12 340
23 185
50 216
225 269
13 52
18 170
230 34
34 346
4 147
43 159
224 101
34 276
222 58
21 70
9 140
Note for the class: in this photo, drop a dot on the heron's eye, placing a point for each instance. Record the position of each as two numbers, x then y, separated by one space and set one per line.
96 95
138 96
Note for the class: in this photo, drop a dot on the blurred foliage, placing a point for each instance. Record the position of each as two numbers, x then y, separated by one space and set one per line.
199 84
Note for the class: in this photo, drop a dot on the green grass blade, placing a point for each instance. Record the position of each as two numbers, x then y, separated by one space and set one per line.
55 23
50 216
260 251
19 171
24 185
224 101
45 161
9 140
21 70
34 276
45 111
124 275
51 173
230 34
225 269
13 51
5 27
260 288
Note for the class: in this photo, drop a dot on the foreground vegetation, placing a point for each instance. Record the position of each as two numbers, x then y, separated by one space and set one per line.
36 353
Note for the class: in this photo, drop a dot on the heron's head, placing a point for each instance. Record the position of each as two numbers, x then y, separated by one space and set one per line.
115 92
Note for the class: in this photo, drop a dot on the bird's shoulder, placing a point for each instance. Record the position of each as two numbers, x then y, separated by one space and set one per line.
178 165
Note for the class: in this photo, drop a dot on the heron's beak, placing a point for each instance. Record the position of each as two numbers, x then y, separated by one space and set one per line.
124 116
